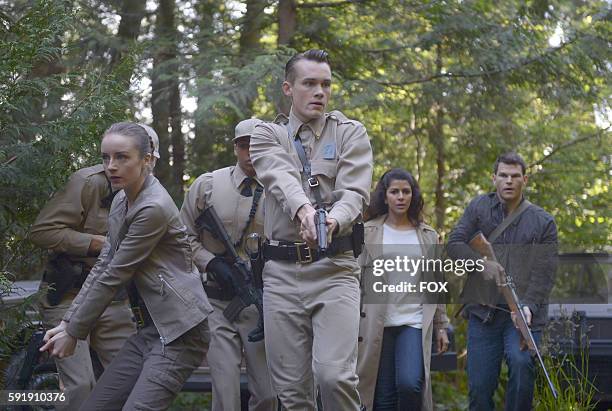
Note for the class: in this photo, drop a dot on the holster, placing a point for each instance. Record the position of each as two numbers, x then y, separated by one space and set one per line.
358 239
257 266
63 275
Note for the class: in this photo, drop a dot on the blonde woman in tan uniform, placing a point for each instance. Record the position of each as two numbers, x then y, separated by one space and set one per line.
147 250
237 198
396 334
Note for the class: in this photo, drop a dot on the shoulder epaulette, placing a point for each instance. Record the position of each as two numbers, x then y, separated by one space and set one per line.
90 171
281 118
341 118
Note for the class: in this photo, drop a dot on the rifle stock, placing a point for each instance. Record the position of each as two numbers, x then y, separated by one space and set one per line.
481 245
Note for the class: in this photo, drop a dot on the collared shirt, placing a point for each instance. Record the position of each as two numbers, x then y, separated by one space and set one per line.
68 222
198 196
341 158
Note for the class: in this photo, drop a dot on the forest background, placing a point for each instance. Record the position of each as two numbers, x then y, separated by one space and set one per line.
442 87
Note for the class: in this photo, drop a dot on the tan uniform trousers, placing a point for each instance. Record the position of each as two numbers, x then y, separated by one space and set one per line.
227 342
311 326
107 337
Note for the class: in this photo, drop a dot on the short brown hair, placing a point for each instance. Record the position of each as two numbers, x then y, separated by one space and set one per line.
320 56
510 157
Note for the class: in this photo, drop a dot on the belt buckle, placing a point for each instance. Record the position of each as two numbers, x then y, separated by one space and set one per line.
313 182
303 259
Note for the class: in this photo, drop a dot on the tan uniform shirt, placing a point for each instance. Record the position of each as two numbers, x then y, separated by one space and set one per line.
67 223
341 158
233 212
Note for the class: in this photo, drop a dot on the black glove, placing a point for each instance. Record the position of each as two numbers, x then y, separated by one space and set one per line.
223 273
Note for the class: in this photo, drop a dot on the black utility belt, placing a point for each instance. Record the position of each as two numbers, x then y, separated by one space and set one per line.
218 293
299 252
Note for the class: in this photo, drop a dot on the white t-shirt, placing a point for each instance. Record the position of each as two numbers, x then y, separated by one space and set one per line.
398 311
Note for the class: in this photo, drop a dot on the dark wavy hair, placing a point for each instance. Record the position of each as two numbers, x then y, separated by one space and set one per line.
377 200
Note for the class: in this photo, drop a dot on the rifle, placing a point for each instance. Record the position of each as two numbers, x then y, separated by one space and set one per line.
246 293
480 244
320 219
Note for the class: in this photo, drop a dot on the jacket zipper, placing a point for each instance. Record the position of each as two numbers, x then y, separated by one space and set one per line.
161 338
166 283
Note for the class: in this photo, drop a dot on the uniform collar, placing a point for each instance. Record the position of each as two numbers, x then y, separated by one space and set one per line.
316 125
238 176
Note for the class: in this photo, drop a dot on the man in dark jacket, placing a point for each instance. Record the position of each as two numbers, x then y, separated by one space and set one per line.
526 250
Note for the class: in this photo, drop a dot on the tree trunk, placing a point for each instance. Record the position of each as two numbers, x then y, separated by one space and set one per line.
132 13
250 47
252 25
178 143
287 21
287 24
165 101
437 140
206 10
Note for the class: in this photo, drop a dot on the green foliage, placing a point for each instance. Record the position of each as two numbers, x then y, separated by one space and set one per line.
51 118
461 82
569 371
189 401
15 321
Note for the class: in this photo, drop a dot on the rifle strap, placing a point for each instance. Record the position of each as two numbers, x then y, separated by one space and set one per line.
499 230
306 167
508 220
252 212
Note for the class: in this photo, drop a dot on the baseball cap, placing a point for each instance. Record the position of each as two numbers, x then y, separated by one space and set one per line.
245 128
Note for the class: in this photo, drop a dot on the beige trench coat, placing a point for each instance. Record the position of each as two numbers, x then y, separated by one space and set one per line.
372 325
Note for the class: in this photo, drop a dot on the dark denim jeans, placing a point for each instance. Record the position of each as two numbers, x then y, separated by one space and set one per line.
489 343
400 372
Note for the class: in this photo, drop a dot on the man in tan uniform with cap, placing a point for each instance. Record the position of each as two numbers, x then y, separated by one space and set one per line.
236 196
311 299
73 226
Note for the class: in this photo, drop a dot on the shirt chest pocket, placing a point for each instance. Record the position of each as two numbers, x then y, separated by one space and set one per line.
325 171
325 168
